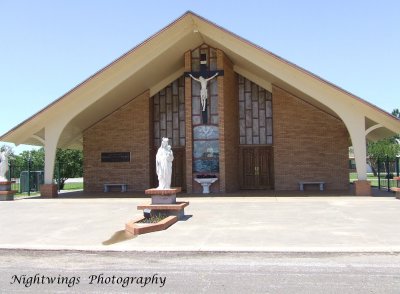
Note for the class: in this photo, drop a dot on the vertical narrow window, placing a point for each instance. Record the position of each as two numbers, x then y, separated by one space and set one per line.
169 114
255 113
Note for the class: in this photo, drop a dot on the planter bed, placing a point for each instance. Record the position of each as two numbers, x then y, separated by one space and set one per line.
136 227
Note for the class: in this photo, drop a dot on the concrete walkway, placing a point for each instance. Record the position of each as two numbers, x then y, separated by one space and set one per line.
293 224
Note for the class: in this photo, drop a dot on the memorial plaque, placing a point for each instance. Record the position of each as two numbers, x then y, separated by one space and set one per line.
115 157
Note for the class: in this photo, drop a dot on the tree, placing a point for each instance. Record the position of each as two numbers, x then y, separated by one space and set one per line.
20 162
396 112
35 156
8 148
69 164
384 149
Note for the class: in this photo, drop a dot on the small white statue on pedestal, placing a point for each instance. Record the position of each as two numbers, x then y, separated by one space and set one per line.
4 154
164 160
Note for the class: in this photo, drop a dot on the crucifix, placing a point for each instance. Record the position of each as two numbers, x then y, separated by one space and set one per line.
203 77
203 91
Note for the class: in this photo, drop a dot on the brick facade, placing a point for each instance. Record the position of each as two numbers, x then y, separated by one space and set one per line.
228 125
228 176
309 144
125 130
188 124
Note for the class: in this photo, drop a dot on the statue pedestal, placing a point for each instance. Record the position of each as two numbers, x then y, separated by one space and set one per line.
5 190
164 201
163 196
206 183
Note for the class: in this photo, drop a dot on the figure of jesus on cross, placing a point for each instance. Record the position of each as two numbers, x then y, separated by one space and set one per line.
203 91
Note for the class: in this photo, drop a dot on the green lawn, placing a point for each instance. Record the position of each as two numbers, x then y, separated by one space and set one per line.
353 177
73 186
67 186
373 179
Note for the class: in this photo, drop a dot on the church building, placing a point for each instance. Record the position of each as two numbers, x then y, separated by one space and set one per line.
230 109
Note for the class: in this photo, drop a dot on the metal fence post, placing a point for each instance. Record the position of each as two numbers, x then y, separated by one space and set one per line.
379 174
388 173
29 176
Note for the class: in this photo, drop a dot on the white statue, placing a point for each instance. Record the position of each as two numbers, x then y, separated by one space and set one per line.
203 91
5 153
164 160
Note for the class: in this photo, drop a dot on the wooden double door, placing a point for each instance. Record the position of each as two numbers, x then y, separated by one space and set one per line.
256 167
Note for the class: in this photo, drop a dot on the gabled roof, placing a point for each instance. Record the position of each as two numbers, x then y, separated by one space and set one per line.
158 61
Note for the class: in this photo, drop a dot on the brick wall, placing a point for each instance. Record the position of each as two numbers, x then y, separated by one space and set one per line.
125 130
228 125
188 124
309 144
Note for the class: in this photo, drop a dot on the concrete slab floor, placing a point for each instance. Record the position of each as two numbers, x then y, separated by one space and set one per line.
238 223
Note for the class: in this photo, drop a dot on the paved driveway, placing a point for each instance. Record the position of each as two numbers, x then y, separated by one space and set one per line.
213 224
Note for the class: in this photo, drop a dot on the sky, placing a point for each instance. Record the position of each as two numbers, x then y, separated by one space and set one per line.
48 47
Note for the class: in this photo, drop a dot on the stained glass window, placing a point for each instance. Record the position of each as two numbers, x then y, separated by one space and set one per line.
255 113
169 114
205 124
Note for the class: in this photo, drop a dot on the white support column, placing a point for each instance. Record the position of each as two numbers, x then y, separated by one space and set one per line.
50 148
356 128
52 135
360 156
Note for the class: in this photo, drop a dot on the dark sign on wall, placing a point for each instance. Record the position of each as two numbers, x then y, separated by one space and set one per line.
115 157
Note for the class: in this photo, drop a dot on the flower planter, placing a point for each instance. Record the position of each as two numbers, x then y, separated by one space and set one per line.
136 228
160 205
